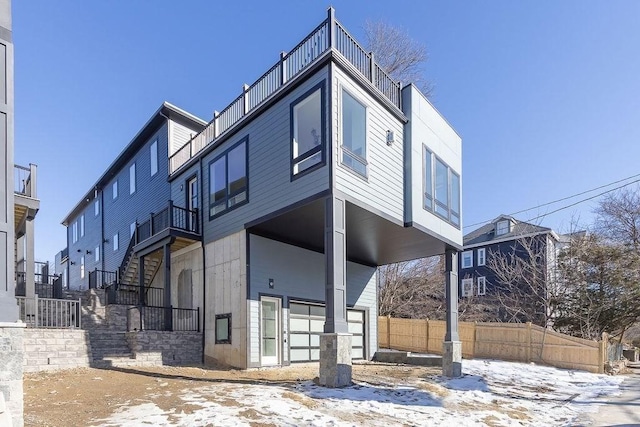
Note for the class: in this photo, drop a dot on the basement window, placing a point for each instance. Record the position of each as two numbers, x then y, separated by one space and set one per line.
223 328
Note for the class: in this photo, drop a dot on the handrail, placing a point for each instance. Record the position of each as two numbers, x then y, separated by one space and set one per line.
49 312
330 34
158 318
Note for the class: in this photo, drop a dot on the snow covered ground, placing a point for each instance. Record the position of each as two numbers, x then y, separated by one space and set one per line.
490 393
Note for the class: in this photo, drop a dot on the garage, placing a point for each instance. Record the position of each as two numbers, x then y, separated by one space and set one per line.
306 323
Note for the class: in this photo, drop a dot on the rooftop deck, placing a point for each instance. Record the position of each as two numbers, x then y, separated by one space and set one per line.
330 35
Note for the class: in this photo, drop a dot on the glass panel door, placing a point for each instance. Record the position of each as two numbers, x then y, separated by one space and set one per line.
270 331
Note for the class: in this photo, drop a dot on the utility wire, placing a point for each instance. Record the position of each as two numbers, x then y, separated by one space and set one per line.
569 197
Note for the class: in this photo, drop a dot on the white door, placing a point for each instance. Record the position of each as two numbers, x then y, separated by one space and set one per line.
270 331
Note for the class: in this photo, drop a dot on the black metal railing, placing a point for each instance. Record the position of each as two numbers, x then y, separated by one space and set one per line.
46 285
120 294
99 279
152 318
170 217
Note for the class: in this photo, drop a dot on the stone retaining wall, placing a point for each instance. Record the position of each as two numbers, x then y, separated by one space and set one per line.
48 349
11 354
166 348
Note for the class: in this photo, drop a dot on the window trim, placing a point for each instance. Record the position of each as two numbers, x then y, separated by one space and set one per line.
343 149
434 202
464 282
153 157
225 155
322 148
470 253
228 339
482 251
483 280
133 181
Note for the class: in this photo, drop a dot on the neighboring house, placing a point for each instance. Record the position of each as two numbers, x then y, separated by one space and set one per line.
100 227
275 216
503 237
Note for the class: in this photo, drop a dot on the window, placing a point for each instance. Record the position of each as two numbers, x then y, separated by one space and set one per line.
482 285
116 242
307 131
114 190
441 188
354 134
154 157
82 267
74 232
482 259
132 178
503 227
228 180
467 259
97 253
223 328
96 208
82 225
132 229
467 287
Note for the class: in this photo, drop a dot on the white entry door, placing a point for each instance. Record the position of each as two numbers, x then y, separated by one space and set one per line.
270 338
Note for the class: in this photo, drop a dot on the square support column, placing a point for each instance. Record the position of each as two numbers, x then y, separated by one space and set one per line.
168 316
335 343
29 259
452 347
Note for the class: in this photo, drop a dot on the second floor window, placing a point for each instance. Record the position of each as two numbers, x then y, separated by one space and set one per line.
154 157
354 134
467 259
114 190
228 181
132 178
482 258
307 131
441 187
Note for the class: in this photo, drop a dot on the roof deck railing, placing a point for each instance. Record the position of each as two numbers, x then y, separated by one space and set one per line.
330 34
24 180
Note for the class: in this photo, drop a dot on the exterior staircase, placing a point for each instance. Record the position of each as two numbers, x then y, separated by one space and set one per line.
129 274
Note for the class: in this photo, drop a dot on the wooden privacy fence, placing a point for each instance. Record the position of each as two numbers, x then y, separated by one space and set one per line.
518 342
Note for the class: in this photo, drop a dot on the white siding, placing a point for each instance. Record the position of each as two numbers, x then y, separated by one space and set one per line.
178 136
383 190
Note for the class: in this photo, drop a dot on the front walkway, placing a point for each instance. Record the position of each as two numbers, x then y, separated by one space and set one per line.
623 409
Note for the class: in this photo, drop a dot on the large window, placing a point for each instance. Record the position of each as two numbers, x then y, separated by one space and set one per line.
154 157
307 131
228 182
441 188
354 134
132 178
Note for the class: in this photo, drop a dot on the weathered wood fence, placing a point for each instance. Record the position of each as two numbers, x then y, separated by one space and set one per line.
518 342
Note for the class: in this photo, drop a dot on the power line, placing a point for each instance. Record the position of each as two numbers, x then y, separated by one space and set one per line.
569 197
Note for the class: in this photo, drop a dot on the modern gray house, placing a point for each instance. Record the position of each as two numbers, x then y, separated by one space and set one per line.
272 218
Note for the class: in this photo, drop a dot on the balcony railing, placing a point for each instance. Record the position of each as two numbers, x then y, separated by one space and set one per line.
99 279
148 318
24 180
121 294
49 313
170 217
330 34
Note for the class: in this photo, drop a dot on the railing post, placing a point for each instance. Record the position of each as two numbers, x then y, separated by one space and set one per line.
372 65
245 99
151 224
332 26
35 308
196 220
171 213
79 313
198 318
283 69
32 180
135 233
216 114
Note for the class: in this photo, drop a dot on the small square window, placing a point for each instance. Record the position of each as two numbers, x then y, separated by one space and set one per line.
482 259
467 288
482 285
467 259
223 328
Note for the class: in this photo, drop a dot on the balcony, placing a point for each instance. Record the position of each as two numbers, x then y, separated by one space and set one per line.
328 38
26 203
180 225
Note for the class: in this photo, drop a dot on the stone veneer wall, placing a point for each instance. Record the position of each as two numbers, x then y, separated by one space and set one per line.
49 349
165 347
11 354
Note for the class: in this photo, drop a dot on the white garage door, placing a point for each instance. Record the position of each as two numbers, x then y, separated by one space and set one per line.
306 323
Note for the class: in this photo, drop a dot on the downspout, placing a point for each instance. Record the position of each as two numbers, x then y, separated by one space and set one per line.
204 267
102 245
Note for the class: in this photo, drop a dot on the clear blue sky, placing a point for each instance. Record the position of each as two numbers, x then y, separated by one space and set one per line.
545 94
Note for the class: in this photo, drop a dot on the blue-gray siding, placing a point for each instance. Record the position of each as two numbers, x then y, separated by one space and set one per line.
298 274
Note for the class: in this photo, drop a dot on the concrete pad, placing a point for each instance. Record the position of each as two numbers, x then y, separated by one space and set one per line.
622 410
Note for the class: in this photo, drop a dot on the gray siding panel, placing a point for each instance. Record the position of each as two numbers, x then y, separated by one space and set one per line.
299 274
179 136
270 185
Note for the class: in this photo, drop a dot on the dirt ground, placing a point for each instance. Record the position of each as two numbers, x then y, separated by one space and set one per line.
77 397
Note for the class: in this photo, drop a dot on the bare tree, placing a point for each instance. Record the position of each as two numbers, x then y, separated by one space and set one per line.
618 217
402 57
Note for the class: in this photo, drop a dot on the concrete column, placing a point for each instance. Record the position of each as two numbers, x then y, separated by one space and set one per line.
168 317
20 254
335 343
141 279
452 347
29 259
